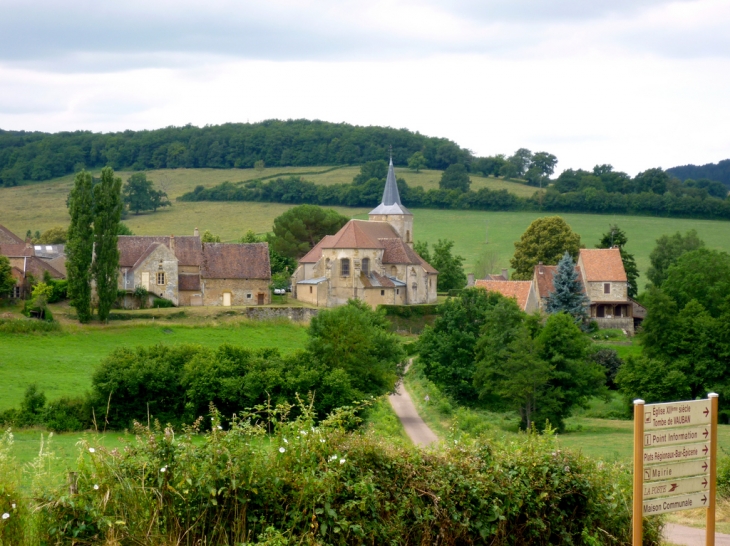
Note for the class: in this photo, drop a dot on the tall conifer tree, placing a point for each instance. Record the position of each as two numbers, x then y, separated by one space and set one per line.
568 294
108 213
79 245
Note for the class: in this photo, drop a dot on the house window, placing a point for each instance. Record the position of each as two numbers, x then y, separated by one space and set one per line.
16 291
397 290
310 289
600 311
248 296
345 267
382 292
161 278
606 287
366 265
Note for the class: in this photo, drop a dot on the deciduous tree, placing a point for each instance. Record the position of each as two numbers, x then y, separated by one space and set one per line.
455 177
7 281
545 240
417 162
140 194
667 251
300 228
80 244
108 213
450 266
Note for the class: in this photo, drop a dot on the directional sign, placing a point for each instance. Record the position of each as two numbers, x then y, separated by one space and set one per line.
676 470
657 455
676 414
673 504
675 487
677 436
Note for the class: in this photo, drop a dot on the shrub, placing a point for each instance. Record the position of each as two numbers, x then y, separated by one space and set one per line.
311 482
609 360
27 326
67 415
162 303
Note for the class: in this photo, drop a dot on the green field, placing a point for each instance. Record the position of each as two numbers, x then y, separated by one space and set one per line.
41 206
61 363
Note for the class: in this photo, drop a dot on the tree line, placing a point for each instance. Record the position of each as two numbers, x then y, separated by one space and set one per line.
651 193
273 143
719 171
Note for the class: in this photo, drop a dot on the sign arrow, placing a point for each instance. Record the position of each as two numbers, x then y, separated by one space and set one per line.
705 450
674 486
704 465
704 499
705 434
706 412
704 482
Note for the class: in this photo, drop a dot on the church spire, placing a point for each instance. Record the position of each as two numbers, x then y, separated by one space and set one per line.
390 193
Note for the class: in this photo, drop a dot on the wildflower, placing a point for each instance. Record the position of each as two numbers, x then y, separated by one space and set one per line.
567 469
342 461
286 441
282 450
163 469
220 427
303 432
13 506
334 457
96 487
321 440
6 515
91 450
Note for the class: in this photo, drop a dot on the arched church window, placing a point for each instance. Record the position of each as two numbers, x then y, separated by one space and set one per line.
365 265
393 271
345 267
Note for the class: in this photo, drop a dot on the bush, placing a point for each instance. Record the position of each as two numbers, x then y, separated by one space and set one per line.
407 311
27 326
314 483
67 415
162 303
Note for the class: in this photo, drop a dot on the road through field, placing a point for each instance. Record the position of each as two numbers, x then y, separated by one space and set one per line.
416 429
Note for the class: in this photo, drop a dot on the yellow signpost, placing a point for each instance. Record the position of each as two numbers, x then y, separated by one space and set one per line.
675 460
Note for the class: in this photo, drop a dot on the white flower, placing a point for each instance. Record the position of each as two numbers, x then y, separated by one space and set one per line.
342 461
6 515
220 427
321 440
334 457
303 432
91 450
96 487
282 450
163 469
13 506
567 469
286 441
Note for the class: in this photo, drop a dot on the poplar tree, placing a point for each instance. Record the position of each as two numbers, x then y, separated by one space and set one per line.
108 214
80 245
568 295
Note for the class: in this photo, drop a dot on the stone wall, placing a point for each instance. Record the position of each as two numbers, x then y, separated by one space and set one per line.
619 291
623 323
243 291
296 314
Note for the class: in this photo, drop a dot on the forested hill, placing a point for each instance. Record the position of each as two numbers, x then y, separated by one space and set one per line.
712 171
41 156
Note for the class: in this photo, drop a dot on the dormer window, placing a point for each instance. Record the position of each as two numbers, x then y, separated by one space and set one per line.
345 267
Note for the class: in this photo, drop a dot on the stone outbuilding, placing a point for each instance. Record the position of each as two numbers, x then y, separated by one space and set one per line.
191 273
606 286
371 260
521 291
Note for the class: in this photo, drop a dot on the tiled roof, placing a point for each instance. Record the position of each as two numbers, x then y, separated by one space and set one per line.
59 264
36 267
146 253
361 234
519 290
7 237
543 276
499 277
188 249
313 256
375 280
602 264
16 250
188 281
236 261
397 252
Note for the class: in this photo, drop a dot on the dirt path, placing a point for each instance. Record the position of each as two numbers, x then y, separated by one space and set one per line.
417 430
690 536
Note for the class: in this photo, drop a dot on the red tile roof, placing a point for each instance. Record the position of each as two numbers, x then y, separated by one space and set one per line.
313 256
16 250
543 278
236 261
188 249
361 234
7 237
518 290
602 264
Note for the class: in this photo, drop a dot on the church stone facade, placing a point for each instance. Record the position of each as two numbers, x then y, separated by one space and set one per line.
371 260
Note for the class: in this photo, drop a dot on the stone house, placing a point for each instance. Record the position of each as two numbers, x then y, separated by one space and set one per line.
543 279
606 286
26 264
521 291
371 260
191 273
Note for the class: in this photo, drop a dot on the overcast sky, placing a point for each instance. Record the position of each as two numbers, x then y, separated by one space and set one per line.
634 83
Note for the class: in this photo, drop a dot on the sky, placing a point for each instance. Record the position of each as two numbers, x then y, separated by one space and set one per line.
634 83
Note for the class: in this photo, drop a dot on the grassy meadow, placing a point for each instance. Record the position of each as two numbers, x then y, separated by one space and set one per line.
61 363
41 206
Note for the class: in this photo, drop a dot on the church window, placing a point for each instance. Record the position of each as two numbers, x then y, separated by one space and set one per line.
161 278
345 267
366 265
408 236
393 271
397 290
310 289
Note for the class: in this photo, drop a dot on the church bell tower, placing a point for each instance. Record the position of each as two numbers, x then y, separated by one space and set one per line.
392 211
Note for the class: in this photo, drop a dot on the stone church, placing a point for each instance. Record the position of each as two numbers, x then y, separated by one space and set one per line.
371 260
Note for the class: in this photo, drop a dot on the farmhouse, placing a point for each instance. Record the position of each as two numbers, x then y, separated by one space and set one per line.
26 264
191 273
521 291
371 260
606 286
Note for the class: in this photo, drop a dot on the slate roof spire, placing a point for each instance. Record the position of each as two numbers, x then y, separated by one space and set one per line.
390 203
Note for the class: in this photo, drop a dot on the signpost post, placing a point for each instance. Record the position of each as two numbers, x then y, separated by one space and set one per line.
675 460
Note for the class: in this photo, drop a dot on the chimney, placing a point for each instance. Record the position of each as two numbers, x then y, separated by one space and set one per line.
470 280
505 274
196 233
539 268
172 243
